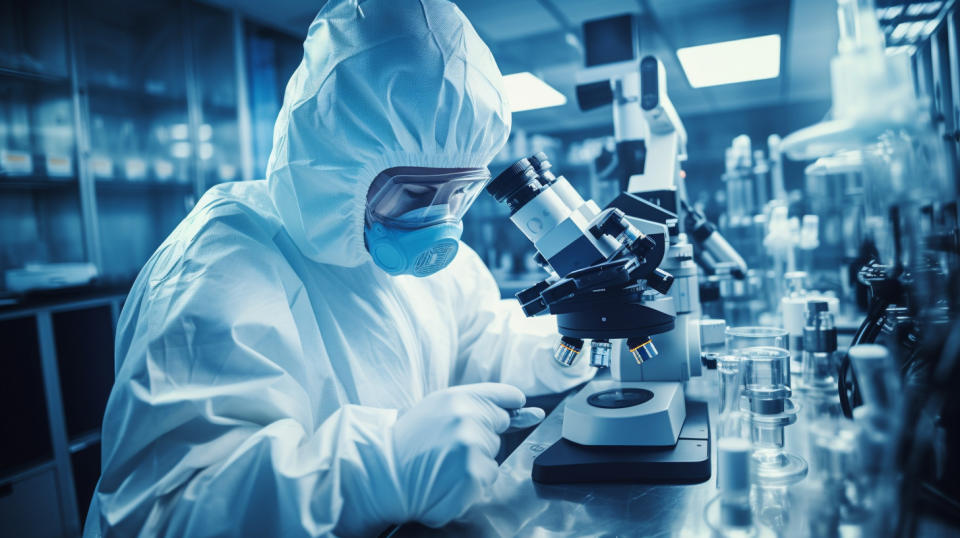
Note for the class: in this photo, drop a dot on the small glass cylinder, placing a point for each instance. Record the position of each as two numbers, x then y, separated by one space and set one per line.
766 386
766 374
728 372
732 422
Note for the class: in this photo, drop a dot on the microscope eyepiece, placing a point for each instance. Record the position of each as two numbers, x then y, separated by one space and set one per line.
516 185
540 161
541 164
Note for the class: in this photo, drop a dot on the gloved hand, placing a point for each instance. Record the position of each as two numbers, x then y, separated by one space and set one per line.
446 444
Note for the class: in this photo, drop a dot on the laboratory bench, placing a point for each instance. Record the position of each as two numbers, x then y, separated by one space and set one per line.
517 506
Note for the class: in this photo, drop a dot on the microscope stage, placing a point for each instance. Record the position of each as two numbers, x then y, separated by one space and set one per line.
687 462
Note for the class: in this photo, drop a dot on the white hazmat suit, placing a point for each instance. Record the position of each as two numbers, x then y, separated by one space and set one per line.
262 360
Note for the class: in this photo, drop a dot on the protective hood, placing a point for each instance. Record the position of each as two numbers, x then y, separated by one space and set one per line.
383 83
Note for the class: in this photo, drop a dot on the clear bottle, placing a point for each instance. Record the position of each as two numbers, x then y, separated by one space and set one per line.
793 310
819 349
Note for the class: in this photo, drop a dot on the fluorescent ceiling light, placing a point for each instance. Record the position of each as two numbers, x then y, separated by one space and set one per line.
755 58
527 92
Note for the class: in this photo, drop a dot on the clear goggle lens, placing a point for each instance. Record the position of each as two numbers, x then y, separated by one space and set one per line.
416 198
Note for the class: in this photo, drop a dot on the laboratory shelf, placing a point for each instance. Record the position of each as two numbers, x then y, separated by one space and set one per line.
105 186
26 472
37 182
20 74
84 441
103 91
219 108
53 300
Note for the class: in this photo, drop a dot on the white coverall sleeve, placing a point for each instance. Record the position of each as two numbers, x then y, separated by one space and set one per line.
212 428
498 342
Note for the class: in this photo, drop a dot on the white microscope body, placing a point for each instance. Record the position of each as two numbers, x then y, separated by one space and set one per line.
650 409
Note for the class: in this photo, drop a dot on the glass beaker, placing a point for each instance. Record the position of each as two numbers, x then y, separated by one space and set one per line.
738 338
766 388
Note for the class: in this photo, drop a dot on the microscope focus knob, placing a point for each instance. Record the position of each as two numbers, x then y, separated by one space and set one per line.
660 280
642 246
612 224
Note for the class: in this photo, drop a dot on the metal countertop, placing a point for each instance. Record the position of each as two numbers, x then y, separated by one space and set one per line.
517 505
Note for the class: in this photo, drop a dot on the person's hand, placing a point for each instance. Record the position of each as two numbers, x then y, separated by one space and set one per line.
446 444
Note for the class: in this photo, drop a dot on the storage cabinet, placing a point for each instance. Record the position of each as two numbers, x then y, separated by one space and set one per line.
132 73
86 471
84 345
24 420
41 217
219 156
115 117
58 360
28 506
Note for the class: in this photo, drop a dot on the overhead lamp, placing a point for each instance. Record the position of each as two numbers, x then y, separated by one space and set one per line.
727 62
528 92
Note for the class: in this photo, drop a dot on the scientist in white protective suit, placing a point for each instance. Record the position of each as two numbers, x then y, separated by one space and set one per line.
316 353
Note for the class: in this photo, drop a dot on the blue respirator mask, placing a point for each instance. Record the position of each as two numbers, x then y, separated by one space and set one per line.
413 217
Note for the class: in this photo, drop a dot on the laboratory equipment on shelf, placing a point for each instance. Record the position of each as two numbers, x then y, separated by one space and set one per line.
47 276
815 383
834 192
766 391
739 181
54 117
744 221
16 157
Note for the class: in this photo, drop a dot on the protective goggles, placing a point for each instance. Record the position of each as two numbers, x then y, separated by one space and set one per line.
420 197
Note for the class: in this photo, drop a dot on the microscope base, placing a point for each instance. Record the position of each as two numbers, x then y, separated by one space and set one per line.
687 462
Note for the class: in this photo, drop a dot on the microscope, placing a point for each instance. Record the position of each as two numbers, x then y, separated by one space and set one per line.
623 278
